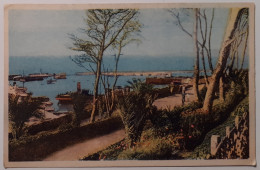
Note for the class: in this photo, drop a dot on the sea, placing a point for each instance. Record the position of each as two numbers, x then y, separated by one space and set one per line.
27 65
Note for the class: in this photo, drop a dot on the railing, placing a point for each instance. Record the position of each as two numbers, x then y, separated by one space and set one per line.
236 142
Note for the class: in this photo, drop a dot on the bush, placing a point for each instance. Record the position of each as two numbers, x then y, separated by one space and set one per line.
79 106
20 110
175 114
48 125
37 147
203 150
196 123
134 111
156 149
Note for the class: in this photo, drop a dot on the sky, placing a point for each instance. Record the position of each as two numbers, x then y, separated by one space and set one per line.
37 33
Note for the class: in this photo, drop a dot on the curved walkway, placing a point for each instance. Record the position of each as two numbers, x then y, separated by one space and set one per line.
174 100
79 150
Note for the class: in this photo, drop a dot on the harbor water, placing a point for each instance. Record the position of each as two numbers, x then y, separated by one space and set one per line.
28 65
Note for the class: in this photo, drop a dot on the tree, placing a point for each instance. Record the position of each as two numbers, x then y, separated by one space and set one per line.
200 25
79 102
127 36
196 51
104 26
135 109
230 36
20 111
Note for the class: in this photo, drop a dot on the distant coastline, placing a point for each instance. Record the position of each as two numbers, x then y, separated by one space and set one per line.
138 73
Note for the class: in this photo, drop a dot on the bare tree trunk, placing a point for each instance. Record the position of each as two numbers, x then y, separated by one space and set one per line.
209 42
244 50
95 97
234 16
204 68
115 76
221 89
196 51
204 38
232 54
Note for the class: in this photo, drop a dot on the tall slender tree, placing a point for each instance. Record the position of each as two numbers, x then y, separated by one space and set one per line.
203 47
235 16
196 52
103 28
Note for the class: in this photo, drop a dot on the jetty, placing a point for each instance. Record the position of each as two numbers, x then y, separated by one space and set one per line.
138 73
36 77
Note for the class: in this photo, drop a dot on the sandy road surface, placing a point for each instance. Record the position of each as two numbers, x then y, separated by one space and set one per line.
79 150
174 100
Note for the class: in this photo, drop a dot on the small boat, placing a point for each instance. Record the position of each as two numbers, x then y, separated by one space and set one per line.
51 81
64 97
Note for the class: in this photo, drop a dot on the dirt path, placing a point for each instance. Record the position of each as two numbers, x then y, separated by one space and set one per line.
77 151
174 100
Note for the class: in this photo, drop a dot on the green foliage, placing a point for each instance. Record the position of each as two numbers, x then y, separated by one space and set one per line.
134 111
239 77
20 111
196 123
79 104
167 121
37 147
66 127
139 86
203 150
49 125
136 108
156 149
161 124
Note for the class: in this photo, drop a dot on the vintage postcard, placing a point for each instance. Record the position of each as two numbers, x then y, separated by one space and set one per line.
101 85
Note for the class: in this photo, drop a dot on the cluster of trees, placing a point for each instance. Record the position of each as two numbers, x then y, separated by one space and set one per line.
106 29
234 43
113 29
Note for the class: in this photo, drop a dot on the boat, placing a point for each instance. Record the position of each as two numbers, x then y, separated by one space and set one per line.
43 75
17 78
51 81
64 97
60 76
28 78
12 76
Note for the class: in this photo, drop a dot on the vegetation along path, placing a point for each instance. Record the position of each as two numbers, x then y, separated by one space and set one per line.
77 151
174 100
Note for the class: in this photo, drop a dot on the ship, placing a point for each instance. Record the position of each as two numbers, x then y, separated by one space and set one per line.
60 76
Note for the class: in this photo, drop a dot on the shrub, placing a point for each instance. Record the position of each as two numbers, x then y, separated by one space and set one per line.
203 150
139 86
134 111
156 149
79 104
49 124
196 123
37 147
175 114
20 111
